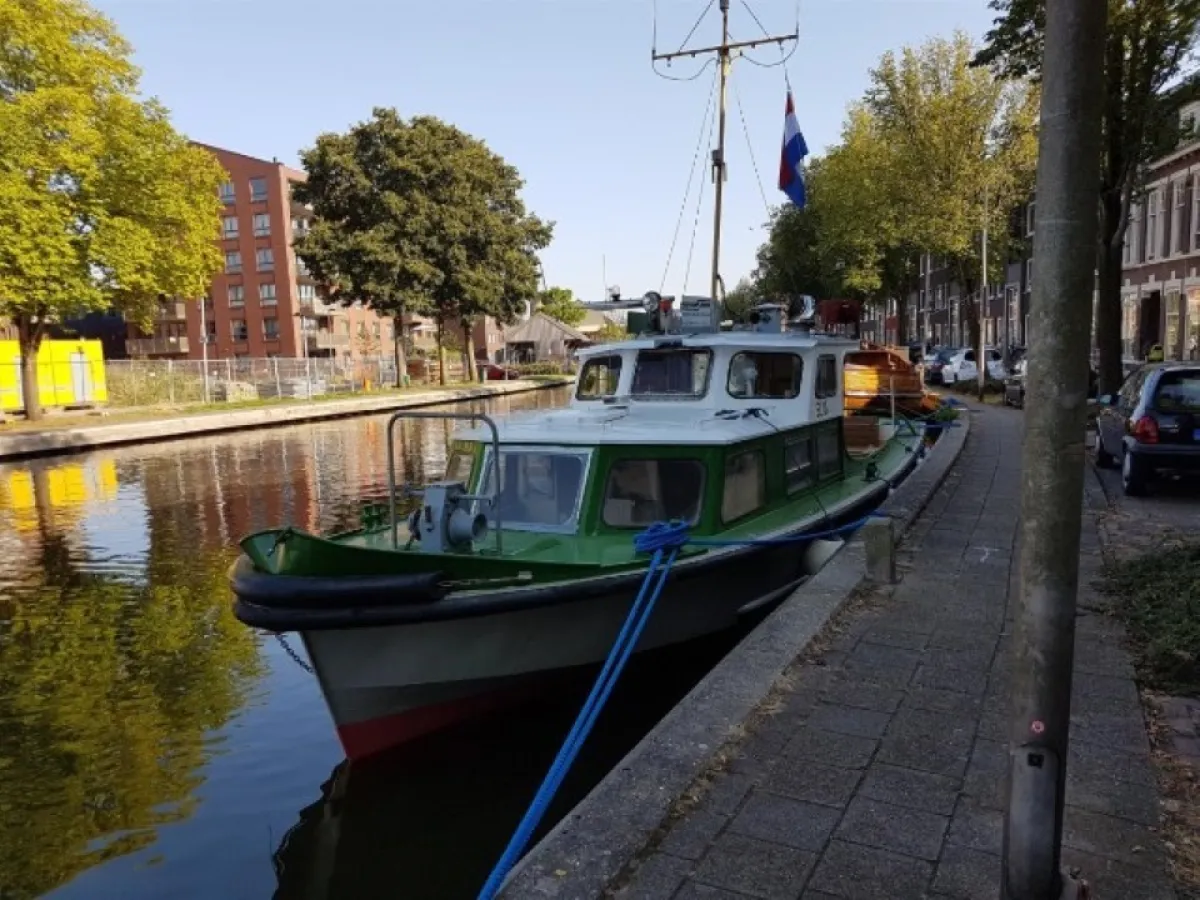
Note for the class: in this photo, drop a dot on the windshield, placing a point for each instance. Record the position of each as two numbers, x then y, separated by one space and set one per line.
539 488
678 373
1179 392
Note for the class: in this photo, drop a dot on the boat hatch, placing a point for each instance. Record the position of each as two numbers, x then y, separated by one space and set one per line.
541 488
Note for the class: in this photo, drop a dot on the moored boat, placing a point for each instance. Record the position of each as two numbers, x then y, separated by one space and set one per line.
879 379
521 563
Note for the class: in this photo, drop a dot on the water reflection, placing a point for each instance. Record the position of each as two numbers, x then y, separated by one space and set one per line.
152 745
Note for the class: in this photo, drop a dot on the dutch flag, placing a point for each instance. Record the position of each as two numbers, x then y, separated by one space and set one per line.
791 171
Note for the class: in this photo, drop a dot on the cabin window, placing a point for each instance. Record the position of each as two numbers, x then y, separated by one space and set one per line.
829 453
643 491
745 485
539 489
677 373
774 376
599 378
827 379
798 470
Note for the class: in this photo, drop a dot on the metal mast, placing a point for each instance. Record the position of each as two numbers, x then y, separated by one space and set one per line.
724 52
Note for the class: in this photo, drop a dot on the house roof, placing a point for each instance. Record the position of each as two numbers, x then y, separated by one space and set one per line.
541 329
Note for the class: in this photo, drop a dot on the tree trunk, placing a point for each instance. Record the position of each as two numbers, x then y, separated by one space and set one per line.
1108 301
398 347
469 371
29 335
441 352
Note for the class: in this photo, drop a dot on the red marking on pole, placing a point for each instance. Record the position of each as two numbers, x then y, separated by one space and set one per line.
1038 726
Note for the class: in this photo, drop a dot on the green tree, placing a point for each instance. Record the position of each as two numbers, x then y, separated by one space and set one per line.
790 261
419 217
611 332
1148 44
102 204
559 303
961 151
739 301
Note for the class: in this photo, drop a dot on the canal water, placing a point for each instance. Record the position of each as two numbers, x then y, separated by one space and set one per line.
151 746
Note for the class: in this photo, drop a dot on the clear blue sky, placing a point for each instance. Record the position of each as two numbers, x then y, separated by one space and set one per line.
563 89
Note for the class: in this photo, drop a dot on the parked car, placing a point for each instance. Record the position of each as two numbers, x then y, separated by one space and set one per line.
962 366
1151 425
936 361
493 372
1014 384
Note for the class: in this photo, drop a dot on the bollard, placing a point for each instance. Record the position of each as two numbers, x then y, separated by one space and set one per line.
879 538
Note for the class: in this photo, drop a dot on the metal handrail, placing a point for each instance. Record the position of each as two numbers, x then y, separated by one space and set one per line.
493 501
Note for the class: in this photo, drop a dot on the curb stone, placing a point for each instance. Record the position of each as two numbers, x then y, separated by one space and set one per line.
89 437
594 843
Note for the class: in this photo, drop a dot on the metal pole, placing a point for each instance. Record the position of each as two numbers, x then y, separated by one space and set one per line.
1053 452
723 60
983 299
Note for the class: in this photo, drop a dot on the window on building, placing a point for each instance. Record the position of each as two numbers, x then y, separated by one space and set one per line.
258 190
755 375
1177 216
300 226
1195 238
228 193
798 470
1152 233
233 262
643 491
745 485
1174 321
1028 275
306 292
210 328
827 380
266 294
677 373
238 331
262 224
1030 217
271 329
229 227
237 295
264 259
301 268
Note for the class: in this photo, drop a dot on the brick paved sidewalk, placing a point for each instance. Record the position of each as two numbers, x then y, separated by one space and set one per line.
882 776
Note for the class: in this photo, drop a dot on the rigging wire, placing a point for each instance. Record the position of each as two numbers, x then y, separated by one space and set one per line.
687 272
783 57
654 47
750 146
704 122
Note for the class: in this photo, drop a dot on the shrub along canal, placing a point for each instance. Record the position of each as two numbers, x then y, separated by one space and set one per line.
154 747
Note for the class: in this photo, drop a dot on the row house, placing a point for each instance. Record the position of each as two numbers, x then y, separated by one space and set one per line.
1160 293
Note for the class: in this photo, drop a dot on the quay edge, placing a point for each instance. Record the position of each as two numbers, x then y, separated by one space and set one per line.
89 437
596 842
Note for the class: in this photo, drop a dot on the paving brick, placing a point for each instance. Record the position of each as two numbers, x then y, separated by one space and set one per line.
928 741
976 827
944 701
862 694
907 831
906 640
964 874
831 749
658 876
856 872
911 789
1112 879
727 793
1116 839
782 820
690 836
693 890
802 779
849 720
940 678
755 867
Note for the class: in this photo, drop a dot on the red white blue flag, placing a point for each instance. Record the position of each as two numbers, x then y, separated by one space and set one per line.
791 165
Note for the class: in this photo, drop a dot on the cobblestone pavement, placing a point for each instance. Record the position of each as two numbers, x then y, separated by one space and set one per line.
882 773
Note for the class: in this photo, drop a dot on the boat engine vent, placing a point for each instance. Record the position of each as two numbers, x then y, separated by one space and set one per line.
445 522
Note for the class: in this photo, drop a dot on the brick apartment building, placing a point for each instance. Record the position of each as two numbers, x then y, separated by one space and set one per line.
264 300
1160 294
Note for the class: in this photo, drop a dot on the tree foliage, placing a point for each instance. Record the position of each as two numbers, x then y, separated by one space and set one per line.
560 303
418 216
790 260
1149 43
739 301
102 204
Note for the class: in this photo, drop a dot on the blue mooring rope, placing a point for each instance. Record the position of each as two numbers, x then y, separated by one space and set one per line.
663 540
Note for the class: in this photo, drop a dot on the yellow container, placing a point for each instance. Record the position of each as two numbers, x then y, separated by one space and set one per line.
70 373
